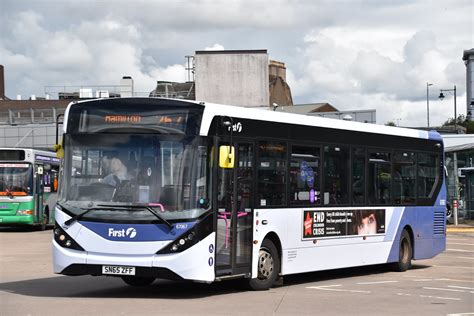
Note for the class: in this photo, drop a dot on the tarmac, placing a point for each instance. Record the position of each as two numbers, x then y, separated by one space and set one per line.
464 226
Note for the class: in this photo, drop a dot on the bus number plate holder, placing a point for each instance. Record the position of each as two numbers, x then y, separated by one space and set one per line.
118 270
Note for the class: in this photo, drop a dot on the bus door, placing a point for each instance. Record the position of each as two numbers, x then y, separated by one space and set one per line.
38 192
235 212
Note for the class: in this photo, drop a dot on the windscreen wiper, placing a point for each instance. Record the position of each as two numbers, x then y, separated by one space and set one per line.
142 207
81 214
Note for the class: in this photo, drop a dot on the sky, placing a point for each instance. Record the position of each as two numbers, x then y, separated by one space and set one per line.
353 54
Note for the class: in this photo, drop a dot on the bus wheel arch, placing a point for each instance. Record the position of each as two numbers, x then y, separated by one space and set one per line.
269 263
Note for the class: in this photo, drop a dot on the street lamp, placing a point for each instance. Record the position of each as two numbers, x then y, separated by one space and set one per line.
428 104
441 96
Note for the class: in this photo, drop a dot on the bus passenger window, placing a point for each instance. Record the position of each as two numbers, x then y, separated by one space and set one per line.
358 176
404 178
271 174
379 178
428 174
304 175
336 175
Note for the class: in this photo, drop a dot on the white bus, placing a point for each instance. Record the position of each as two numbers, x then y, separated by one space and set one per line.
204 192
28 187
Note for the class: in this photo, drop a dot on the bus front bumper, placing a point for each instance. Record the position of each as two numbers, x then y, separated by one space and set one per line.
184 265
10 220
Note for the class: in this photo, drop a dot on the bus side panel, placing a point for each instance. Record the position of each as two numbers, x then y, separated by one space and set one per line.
304 255
429 229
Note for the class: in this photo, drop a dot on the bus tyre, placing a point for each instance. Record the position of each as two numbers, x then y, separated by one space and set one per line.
44 223
268 267
405 253
138 281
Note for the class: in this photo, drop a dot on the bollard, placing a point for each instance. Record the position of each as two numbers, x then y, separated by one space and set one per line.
455 212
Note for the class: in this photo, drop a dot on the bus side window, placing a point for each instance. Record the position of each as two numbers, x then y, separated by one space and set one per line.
358 176
271 173
380 177
404 177
304 175
336 175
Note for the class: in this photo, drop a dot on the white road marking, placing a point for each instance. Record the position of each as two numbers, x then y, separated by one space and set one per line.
429 296
461 287
423 280
454 280
458 243
460 314
460 250
456 267
441 298
329 288
470 258
448 290
379 282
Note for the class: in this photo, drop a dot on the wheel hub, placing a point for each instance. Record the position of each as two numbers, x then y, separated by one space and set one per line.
265 264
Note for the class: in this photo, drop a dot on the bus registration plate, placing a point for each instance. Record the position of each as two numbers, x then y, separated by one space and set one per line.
118 270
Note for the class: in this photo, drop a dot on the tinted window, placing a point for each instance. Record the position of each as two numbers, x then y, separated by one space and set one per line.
379 177
358 176
428 174
336 175
404 178
272 174
304 175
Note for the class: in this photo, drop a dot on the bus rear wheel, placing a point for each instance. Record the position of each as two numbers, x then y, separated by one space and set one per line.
138 281
268 267
44 223
405 253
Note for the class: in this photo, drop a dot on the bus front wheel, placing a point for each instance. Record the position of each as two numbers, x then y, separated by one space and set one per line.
268 267
405 253
138 281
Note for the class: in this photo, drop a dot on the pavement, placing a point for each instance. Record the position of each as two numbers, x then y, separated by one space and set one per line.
464 226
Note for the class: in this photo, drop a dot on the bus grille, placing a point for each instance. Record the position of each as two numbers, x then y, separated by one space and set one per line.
439 223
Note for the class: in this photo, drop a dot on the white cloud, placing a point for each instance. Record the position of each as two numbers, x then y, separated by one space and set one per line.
361 54
216 46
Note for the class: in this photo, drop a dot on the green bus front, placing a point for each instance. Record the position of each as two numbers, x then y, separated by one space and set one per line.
17 201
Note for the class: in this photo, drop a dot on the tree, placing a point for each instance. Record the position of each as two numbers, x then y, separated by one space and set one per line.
461 121
390 123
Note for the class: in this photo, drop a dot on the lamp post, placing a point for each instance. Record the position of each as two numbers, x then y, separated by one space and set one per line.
428 104
441 96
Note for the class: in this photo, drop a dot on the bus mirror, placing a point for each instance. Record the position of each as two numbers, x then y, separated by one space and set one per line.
58 148
226 156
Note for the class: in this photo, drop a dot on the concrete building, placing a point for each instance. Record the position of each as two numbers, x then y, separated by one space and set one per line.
233 77
468 57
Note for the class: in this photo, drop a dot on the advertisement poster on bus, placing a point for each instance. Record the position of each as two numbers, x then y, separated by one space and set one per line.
343 223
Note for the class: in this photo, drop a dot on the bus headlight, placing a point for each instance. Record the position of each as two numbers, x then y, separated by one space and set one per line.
24 212
64 240
201 230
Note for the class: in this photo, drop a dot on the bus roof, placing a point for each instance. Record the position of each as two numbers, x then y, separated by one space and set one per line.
213 109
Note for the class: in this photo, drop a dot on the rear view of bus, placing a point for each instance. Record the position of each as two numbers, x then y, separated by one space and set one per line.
134 201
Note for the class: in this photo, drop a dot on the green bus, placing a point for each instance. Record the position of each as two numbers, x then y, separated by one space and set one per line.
28 187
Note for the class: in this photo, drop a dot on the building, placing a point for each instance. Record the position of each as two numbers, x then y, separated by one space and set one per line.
233 77
468 57
459 162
